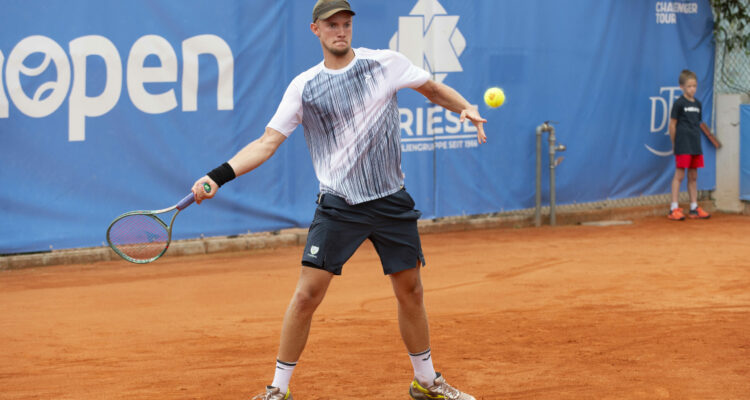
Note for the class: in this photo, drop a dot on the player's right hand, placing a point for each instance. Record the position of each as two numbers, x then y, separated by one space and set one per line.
199 191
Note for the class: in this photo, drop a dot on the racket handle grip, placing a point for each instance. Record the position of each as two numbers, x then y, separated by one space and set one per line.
189 199
186 201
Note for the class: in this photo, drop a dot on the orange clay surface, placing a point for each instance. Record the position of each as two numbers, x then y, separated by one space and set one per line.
653 310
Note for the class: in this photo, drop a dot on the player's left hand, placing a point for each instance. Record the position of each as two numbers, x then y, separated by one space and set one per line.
477 120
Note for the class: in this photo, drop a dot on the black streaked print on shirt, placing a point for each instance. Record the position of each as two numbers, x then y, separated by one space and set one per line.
351 126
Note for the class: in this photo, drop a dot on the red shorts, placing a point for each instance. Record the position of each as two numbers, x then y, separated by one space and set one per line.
689 160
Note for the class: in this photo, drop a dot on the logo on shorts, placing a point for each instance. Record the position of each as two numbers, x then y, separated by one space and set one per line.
314 250
429 38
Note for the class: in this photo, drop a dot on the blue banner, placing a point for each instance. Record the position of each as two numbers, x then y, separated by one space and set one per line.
107 107
745 152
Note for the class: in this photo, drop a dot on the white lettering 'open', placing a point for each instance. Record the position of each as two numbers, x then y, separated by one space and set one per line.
50 95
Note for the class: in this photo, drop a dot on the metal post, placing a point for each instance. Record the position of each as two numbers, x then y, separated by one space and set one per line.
553 163
538 212
551 139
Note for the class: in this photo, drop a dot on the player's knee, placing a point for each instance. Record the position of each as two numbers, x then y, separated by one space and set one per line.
411 294
306 301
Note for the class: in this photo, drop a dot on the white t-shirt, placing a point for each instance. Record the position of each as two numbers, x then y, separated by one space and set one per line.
351 122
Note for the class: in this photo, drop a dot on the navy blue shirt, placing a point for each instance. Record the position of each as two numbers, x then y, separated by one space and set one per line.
687 138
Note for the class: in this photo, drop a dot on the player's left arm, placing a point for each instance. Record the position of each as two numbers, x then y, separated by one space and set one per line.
711 138
450 99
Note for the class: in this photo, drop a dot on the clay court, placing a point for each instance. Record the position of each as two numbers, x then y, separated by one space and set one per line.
652 310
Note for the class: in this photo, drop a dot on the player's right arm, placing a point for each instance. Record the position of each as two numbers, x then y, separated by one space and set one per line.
288 115
246 160
672 129
256 152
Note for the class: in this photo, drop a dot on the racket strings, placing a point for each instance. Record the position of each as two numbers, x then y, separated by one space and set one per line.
139 236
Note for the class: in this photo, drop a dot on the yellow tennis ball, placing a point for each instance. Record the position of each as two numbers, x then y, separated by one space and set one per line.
494 97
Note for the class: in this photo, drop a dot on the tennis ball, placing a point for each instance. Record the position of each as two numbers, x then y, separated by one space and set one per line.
494 97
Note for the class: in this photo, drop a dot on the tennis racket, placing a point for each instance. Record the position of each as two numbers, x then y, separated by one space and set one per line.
141 236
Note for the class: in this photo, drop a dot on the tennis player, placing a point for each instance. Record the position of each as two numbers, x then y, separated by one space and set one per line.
347 106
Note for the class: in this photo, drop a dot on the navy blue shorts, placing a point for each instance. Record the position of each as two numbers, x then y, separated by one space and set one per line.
338 229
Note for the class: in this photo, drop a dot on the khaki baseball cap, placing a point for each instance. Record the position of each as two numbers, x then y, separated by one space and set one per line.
324 9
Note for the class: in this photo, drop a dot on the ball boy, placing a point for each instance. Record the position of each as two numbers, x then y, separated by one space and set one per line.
685 126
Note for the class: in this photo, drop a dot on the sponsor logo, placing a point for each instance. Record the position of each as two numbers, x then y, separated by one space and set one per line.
430 39
313 251
666 11
430 128
72 73
661 106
